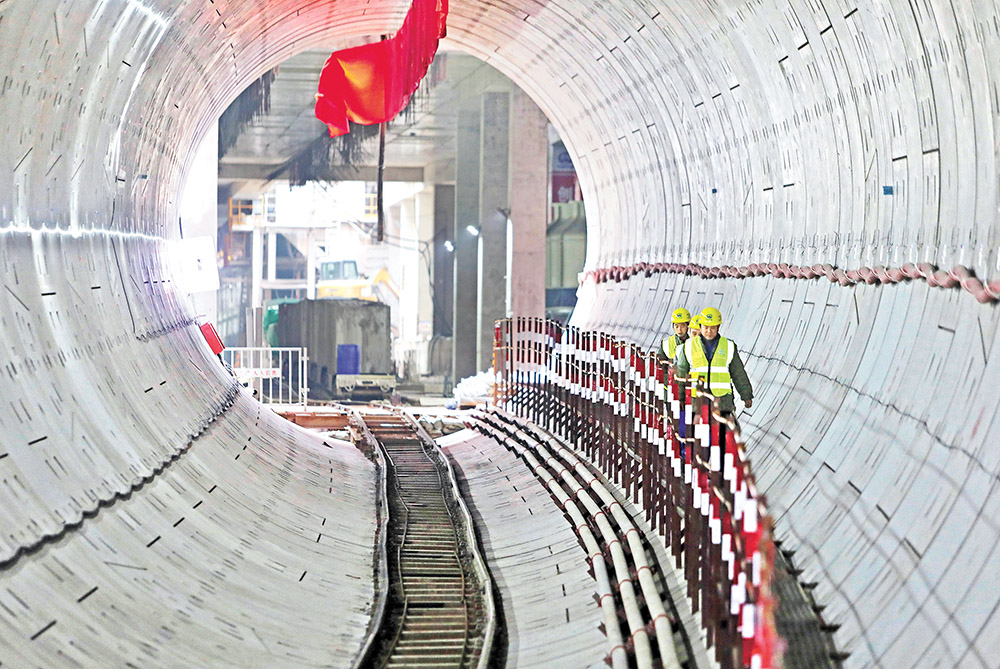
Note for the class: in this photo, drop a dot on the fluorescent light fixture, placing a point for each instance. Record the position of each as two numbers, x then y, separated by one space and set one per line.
449 246
473 230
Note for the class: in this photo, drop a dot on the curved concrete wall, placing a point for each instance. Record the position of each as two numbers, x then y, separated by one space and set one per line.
714 133
154 513
873 433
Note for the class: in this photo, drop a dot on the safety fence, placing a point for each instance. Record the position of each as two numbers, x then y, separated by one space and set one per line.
660 438
277 375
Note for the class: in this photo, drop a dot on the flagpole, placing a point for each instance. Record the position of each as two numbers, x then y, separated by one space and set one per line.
381 167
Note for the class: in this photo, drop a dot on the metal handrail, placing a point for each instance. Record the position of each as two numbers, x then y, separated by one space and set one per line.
599 380
260 359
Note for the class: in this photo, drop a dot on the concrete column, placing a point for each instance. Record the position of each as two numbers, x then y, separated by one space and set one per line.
444 230
312 255
424 211
529 205
409 277
391 257
464 331
256 267
272 256
494 190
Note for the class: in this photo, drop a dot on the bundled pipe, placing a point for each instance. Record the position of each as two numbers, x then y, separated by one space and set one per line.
633 615
613 540
660 619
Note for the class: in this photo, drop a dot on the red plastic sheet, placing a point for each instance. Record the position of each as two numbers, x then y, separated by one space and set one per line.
372 83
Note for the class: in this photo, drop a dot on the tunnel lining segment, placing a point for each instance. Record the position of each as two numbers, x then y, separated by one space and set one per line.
698 94
116 497
174 564
723 134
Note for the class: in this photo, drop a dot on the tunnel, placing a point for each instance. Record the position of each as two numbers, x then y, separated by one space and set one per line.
825 172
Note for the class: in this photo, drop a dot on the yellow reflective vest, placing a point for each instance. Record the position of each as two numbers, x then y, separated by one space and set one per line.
715 373
669 346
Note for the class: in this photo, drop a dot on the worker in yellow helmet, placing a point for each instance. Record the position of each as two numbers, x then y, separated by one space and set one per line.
694 327
668 347
680 318
716 361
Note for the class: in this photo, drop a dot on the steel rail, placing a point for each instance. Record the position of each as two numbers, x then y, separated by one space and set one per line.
399 549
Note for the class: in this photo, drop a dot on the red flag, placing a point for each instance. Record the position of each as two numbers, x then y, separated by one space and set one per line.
372 83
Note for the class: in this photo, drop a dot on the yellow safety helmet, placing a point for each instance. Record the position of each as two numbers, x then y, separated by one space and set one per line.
711 316
696 322
681 315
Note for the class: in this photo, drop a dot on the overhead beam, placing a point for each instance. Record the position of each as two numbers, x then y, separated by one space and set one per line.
268 172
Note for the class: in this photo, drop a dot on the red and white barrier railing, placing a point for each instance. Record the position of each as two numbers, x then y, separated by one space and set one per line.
668 446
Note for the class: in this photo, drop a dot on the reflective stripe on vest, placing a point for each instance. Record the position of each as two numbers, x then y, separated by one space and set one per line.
716 373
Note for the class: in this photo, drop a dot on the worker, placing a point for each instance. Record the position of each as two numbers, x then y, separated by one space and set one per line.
716 361
694 327
668 347
679 319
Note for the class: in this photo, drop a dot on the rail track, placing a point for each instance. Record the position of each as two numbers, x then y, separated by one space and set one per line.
440 609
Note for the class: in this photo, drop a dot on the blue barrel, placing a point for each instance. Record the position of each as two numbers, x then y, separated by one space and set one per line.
348 359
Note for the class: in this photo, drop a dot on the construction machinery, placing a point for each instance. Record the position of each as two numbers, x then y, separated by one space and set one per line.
341 279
